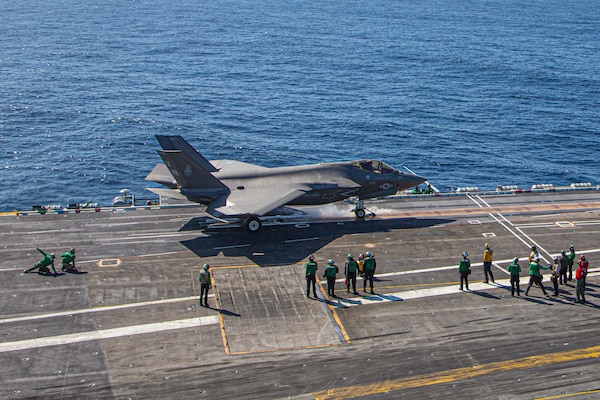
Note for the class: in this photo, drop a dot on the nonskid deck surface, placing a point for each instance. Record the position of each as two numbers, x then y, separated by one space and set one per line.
132 327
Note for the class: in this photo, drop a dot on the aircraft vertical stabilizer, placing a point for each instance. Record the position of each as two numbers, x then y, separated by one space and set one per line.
188 173
179 143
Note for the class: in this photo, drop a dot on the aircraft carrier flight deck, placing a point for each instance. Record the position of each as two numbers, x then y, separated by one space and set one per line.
130 326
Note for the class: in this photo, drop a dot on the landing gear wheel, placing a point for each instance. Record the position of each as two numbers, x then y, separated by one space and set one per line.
360 213
253 224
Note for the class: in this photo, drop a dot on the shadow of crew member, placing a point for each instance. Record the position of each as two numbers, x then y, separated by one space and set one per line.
42 265
68 261
205 284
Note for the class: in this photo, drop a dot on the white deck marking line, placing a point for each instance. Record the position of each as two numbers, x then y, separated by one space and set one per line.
235 246
531 241
300 240
99 309
430 292
107 333
451 267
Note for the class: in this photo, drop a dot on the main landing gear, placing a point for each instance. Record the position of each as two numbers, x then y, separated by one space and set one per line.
359 209
253 224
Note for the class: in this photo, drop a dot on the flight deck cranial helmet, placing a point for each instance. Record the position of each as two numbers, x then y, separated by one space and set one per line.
206 267
516 260
537 260
350 256
72 250
533 247
572 247
368 254
52 255
330 262
564 253
311 257
465 254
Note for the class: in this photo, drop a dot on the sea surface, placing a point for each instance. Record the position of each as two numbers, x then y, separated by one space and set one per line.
463 92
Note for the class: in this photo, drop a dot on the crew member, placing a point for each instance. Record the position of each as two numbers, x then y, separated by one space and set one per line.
580 275
331 271
514 269
564 267
369 266
572 256
360 262
556 271
533 254
205 284
68 261
464 269
535 276
350 269
42 265
311 276
488 253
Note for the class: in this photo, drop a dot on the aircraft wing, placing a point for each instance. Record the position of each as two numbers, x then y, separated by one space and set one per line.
255 201
232 165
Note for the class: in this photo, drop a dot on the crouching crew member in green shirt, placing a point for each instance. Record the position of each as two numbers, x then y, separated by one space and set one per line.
514 269
535 276
331 271
464 269
311 276
68 261
350 270
42 265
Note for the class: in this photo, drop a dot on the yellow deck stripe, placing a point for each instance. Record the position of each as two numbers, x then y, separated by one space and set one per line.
337 319
455 375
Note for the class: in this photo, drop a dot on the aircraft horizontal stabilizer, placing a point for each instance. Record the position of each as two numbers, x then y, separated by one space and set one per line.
161 174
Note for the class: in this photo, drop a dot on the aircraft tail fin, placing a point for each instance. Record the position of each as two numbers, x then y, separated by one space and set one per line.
188 173
179 143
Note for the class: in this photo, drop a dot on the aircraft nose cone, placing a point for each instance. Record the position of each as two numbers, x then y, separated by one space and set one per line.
410 180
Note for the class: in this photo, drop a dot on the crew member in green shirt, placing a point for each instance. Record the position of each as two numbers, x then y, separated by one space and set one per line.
311 276
331 271
464 269
514 269
535 276
68 261
42 265
350 269
369 266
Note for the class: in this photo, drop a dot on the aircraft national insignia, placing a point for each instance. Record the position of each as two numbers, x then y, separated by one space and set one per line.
188 170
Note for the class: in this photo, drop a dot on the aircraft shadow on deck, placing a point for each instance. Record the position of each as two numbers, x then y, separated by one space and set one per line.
288 244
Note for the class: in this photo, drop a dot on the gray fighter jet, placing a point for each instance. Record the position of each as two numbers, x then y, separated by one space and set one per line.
234 189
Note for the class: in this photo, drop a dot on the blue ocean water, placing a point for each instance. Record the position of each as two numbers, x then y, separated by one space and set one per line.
464 92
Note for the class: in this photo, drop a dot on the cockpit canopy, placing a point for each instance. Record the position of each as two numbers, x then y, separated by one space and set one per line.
379 167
